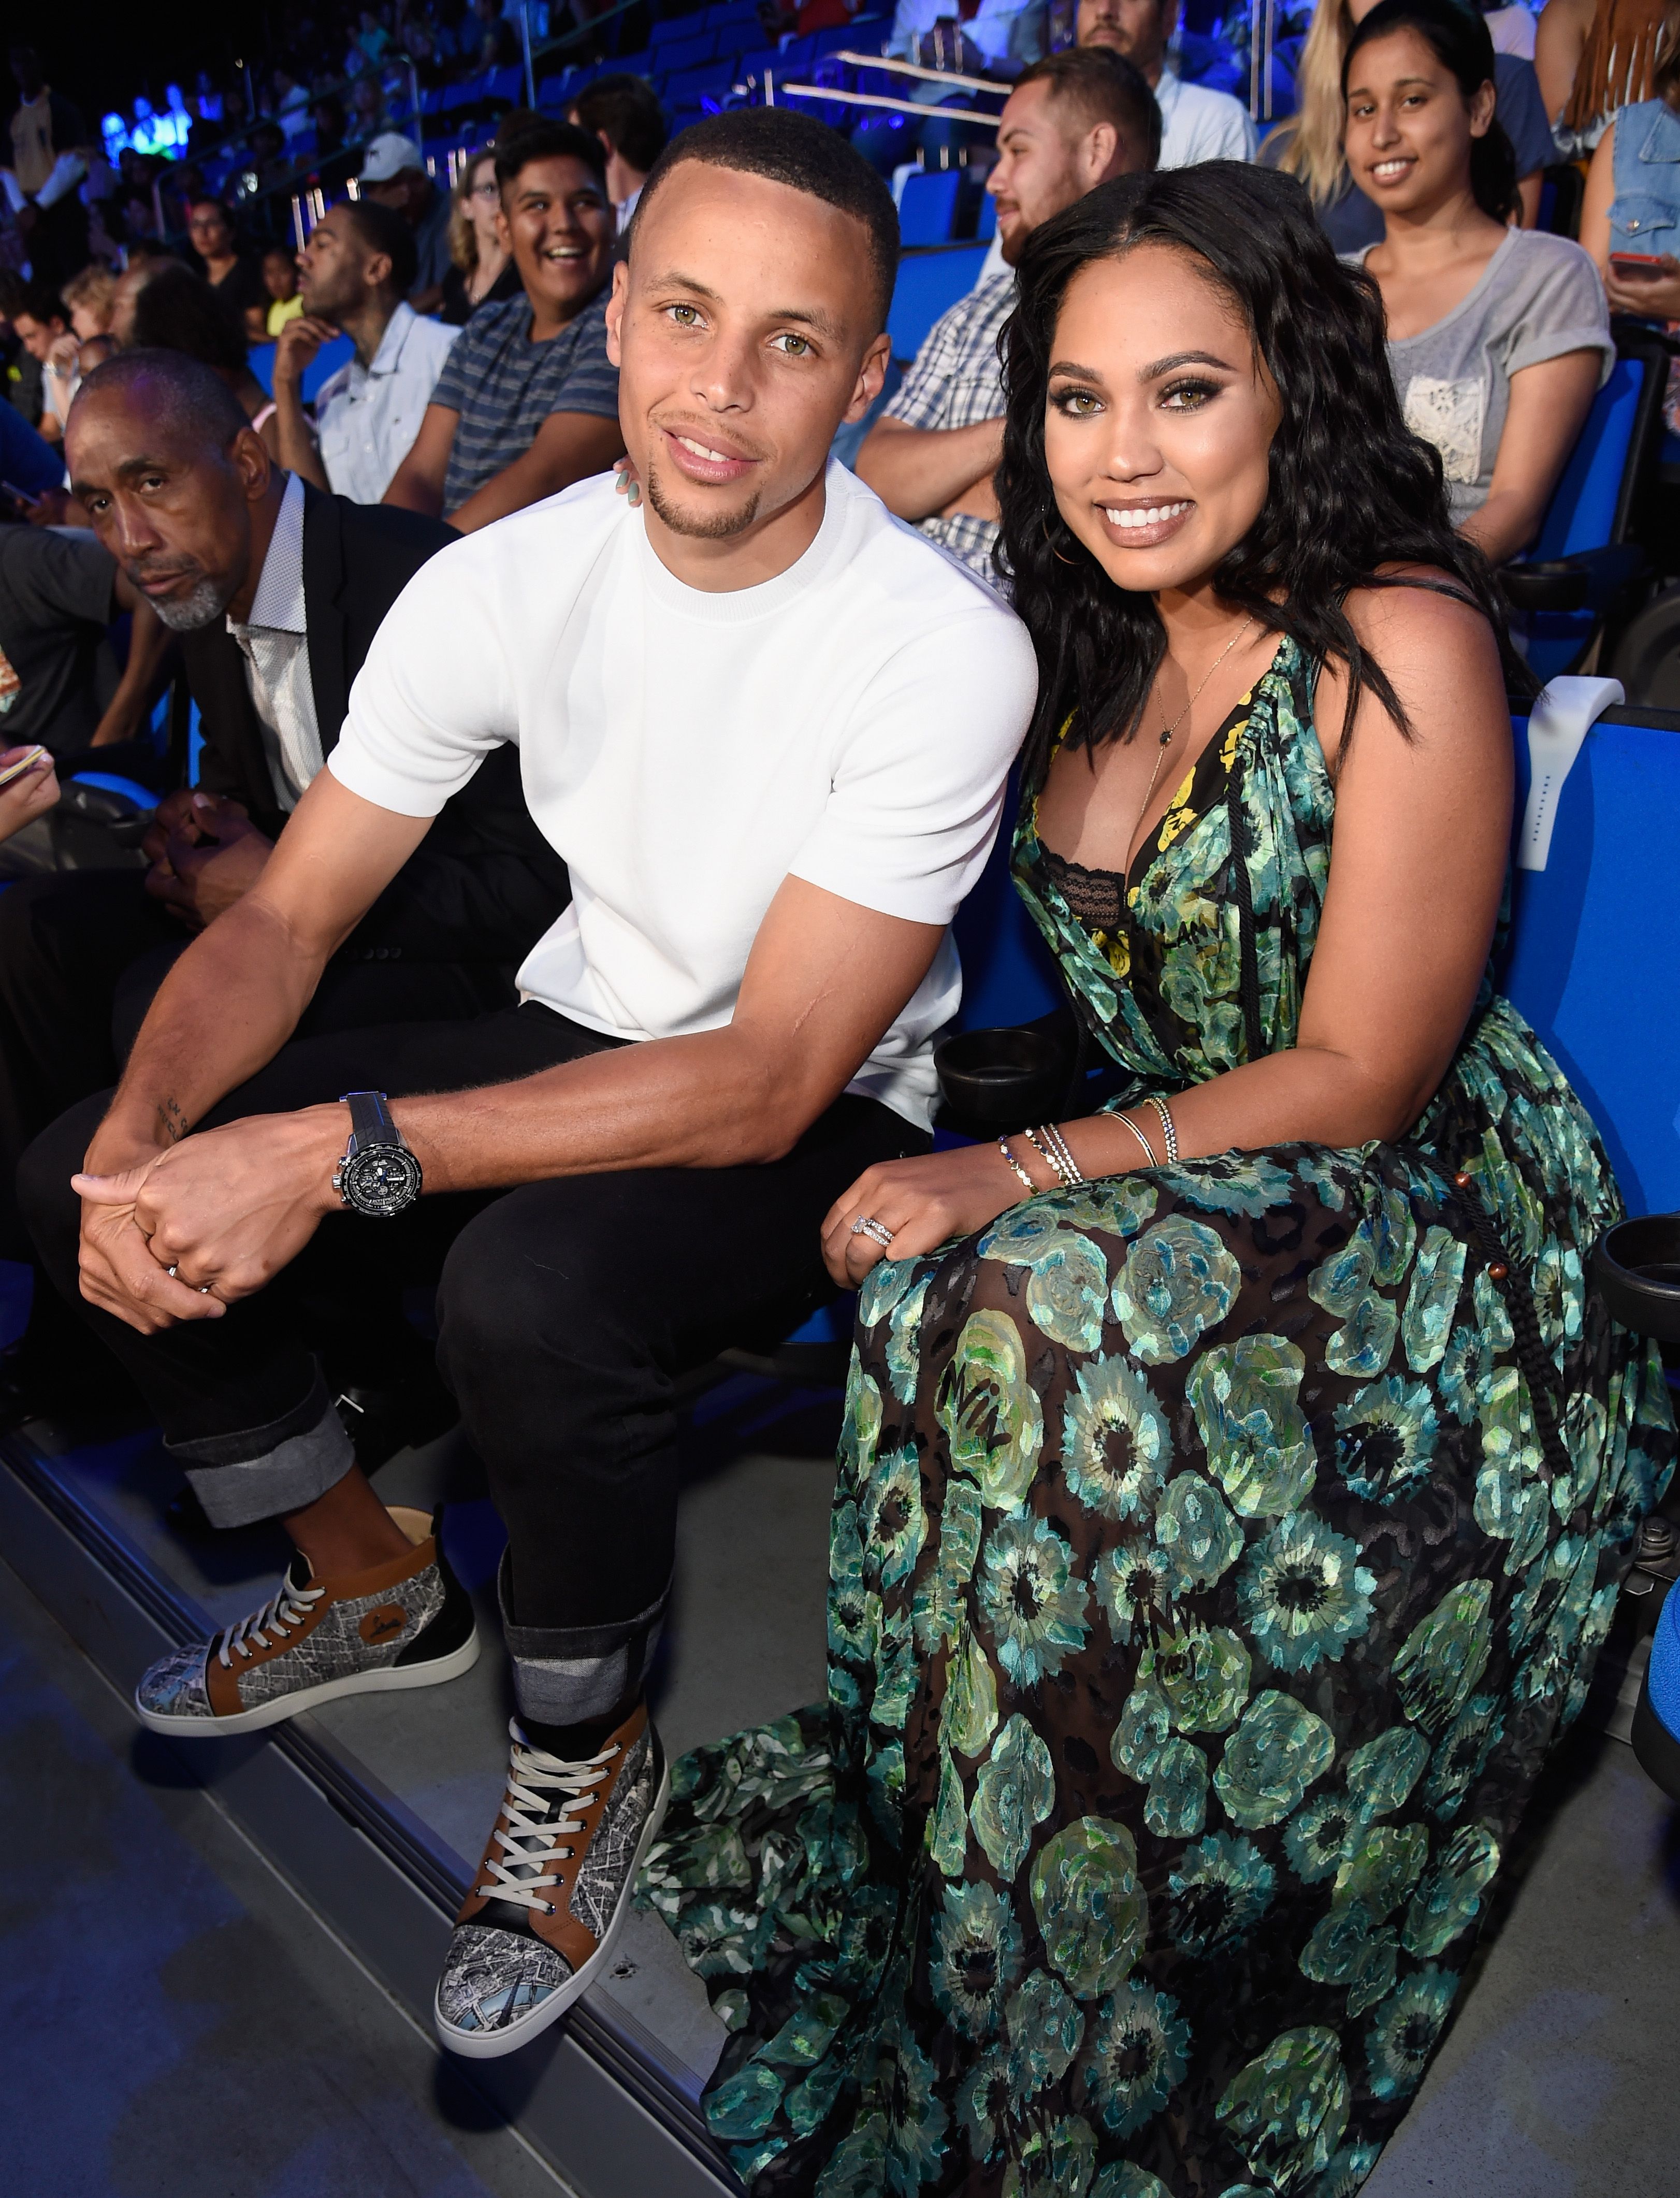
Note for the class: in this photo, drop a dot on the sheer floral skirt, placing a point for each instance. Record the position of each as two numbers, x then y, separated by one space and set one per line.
1207 1590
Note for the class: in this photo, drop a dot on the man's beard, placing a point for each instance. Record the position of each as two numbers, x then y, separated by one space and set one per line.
721 526
199 607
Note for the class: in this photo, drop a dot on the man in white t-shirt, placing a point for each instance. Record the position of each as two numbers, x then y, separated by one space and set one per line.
1196 123
768 726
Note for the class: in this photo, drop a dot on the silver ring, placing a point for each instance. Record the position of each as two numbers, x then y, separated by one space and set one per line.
877 1230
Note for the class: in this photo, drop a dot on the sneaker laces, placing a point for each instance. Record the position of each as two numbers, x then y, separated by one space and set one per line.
530 1840
274 1622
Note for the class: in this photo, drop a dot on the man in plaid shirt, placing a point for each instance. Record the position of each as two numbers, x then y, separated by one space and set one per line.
1071 122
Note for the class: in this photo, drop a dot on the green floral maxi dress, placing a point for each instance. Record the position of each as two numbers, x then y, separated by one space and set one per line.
1216 1552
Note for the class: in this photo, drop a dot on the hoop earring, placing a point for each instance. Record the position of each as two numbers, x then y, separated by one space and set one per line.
1045 526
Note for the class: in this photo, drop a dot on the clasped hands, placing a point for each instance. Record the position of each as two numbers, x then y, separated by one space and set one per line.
205 853
226 1209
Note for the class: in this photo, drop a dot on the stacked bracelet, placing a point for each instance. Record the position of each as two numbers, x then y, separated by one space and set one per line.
1149 1149
1003 1148
1048 1141
1168 1132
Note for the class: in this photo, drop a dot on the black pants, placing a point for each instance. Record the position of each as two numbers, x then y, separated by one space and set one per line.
566 1311
81 955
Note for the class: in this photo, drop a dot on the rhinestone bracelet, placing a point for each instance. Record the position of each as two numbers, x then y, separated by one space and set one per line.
1167 1131
1048 1141
1003 1148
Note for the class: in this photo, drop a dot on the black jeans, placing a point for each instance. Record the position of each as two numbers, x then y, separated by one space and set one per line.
81 955
565 1310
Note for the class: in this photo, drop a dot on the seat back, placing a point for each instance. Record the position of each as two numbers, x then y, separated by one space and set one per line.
1591 504
928 208
929 283
1007 975
1596 943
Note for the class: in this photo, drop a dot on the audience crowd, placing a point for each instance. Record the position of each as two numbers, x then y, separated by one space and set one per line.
358 587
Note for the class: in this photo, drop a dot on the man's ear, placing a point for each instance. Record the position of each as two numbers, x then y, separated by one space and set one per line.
871 374
252 464
376 271
615 313
1102 144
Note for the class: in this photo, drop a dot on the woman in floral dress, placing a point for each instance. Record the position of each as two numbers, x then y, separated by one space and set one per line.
1220 1544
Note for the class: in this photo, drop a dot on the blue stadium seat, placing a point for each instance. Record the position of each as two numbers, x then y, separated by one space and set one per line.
458 95
928 284
328 360
681 54
555 94
986 227
504 82
1592 934
928 208
1582 562
734 16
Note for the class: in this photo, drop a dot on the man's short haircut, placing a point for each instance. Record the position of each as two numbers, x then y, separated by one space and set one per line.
1102 86
806 154
42 303
548 141
627 108
383 229
181 393
179 310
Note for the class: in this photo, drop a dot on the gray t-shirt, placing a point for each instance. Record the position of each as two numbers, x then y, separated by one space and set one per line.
1538 297
56 601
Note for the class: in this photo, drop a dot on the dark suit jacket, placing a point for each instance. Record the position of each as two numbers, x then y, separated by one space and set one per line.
484 885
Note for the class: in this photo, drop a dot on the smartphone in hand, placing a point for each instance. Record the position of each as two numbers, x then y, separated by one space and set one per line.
1638 266
25 761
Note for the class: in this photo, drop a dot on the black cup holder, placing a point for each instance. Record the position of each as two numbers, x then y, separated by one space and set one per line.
1636 1270
995 1082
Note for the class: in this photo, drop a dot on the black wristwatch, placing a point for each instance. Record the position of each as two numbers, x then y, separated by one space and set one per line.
378 1175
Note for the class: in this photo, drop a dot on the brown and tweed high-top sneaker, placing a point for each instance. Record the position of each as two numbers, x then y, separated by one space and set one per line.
553 1889
406 1623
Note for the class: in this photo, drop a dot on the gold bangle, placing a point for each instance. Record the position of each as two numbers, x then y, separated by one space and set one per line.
1137 1133
1003 1148
1170 1136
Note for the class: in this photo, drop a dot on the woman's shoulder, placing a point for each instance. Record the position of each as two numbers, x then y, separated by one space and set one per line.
1418 605
1535 257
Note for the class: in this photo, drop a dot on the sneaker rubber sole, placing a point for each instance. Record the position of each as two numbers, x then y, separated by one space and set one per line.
391 1678
491 2045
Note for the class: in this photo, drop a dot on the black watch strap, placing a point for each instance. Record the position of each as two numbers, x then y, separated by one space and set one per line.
371 1122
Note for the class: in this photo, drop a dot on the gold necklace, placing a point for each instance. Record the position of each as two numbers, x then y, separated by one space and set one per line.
1170 733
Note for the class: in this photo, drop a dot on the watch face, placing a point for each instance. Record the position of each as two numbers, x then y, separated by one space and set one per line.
381 1180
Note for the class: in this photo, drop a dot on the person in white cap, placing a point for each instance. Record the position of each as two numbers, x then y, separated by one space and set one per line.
394 174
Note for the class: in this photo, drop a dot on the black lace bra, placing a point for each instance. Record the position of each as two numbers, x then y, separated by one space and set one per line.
1096 897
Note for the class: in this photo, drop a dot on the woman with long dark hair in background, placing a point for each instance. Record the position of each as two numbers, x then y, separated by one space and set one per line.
1498 338
1236 1483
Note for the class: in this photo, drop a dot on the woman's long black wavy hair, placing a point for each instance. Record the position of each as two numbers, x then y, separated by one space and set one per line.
1352 488
1461 44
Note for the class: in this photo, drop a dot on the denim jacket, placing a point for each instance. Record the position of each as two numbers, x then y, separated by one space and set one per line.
1645 215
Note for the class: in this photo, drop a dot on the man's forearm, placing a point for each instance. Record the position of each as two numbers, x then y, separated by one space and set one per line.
298 452
223 1011
712 1100
148 640
916 472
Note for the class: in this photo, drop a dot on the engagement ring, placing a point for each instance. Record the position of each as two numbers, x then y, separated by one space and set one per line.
877 1229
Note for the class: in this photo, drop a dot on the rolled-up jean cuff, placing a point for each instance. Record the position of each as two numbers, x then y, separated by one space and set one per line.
566 1674
259 1472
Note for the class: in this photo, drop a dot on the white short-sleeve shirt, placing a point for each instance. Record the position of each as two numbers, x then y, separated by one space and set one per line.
850 723
368 416
1200 124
